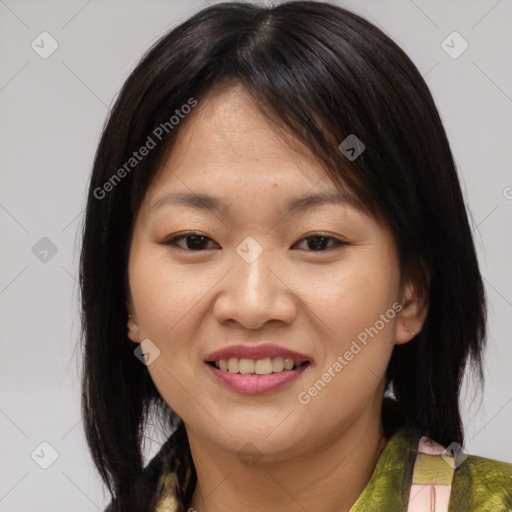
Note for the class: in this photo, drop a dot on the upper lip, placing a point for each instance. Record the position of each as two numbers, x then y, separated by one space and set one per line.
261 351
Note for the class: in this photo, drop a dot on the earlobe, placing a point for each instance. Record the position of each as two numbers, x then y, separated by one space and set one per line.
412 316
412 333
133 330
402 335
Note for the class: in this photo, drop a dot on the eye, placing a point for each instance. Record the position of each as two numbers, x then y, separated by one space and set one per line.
193 241
317 242
197 242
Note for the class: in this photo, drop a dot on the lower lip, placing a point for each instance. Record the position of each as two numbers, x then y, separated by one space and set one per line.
255 384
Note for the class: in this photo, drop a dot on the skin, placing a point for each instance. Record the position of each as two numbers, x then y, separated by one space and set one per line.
190 303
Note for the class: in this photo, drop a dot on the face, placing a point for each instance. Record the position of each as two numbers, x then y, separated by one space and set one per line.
322 281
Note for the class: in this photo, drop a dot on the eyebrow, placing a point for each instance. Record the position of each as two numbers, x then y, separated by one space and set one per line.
300 204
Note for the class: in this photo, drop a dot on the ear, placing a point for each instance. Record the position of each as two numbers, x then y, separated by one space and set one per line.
131 324
415 304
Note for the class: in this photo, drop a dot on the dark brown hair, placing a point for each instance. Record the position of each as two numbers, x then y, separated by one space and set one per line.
322 73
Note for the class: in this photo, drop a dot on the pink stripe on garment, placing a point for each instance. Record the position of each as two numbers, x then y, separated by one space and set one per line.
429 498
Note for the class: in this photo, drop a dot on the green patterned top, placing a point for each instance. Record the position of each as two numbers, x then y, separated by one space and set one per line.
478 485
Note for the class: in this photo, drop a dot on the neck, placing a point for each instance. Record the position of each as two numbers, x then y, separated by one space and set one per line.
329 478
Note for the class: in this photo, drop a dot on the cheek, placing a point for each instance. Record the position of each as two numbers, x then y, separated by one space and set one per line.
166 300
164 293
357 342
352 296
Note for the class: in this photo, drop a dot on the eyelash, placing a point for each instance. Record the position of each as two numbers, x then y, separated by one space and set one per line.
172 241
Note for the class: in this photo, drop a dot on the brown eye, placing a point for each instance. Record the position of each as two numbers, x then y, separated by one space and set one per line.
193 241
197 242
317 243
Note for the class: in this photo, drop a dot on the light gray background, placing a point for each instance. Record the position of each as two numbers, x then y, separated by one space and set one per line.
52 113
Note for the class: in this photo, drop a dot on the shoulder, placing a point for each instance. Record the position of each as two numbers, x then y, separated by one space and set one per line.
478 484
482 484
152 472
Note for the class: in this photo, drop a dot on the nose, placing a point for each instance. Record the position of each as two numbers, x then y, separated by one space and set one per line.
256 291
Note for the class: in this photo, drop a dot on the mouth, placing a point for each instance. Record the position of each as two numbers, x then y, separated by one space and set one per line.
252 369
265 366
256 377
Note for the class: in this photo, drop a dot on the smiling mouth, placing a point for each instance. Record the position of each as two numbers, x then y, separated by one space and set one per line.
264 366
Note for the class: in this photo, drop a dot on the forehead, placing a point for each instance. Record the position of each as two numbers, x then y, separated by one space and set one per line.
226 140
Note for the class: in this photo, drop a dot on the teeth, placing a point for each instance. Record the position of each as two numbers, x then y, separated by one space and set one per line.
263 366
246 366
288 364
233 365
277 364
256 366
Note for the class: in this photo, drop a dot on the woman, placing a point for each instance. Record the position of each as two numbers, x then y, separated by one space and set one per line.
275 238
